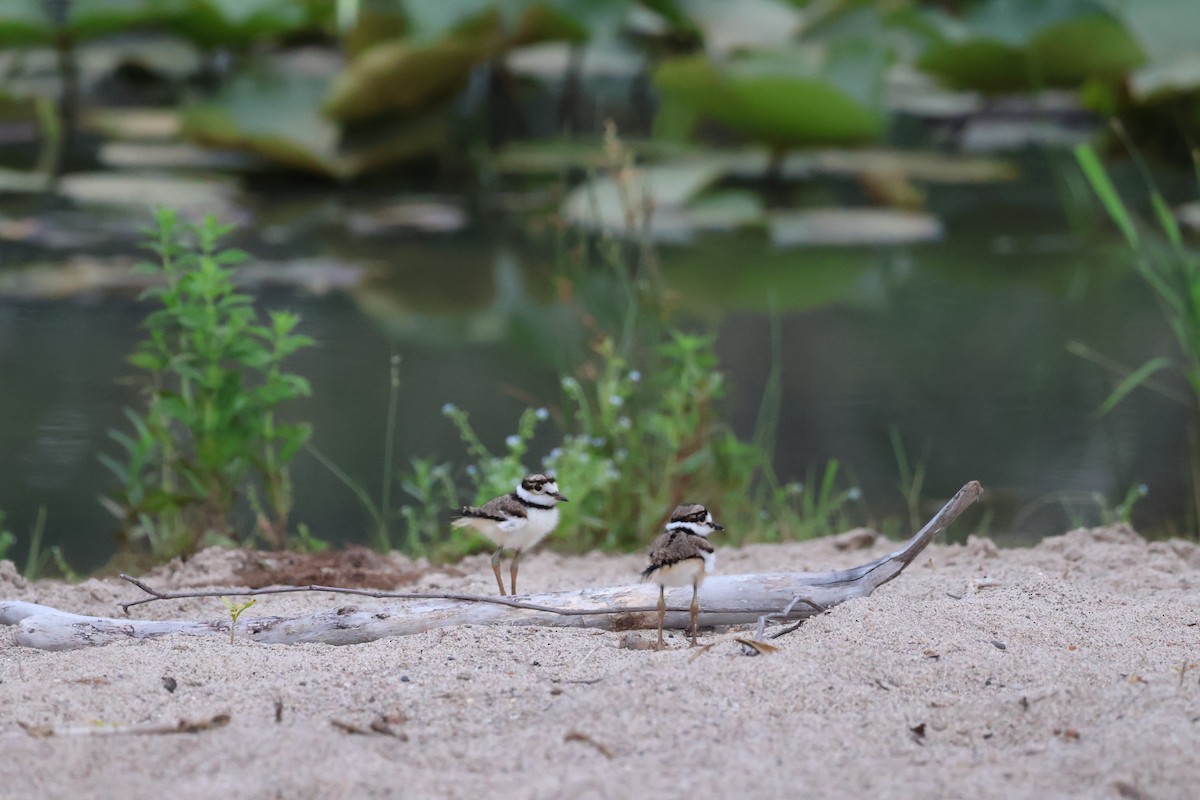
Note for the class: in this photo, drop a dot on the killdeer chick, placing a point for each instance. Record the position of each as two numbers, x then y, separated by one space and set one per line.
515 521
682 555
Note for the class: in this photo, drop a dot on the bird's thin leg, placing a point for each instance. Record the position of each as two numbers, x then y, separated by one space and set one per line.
496 569
695 610
512 570
662 614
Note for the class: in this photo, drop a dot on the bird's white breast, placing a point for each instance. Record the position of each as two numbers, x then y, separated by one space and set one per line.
538 523
688 572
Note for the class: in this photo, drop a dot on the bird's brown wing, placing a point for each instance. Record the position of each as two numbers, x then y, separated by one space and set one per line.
675 546
498 509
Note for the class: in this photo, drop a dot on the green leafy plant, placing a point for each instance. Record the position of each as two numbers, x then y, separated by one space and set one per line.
215 381
235 610
432 488
642 416
1171 268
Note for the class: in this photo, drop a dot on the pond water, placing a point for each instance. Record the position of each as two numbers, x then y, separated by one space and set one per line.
959 345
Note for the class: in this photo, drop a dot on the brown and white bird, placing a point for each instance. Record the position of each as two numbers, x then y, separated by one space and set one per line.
682 555
515 521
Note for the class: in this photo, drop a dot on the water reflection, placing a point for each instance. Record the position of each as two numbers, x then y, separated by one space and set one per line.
959 346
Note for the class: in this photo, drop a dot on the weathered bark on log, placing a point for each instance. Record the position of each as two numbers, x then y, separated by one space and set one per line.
724 600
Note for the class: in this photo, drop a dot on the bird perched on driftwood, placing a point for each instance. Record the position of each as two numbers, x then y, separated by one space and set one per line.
682 555
515 521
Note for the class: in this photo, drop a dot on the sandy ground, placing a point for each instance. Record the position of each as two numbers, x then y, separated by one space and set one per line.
1064 670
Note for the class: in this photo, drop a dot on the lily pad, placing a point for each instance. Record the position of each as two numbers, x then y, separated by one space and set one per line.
171 156
728 27
274 113
803 95
927 167
238 23
400 76
1166 30
1018 45
445 41
209 23
143 192
134 124
86 275
428 216
26 22
660 192
852 226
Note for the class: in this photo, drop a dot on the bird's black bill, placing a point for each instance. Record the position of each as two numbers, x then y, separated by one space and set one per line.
559 497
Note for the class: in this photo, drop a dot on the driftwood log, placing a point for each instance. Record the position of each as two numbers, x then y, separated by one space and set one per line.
724 600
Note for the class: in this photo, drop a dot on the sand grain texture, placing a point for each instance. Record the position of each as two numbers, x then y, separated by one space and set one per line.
1062 670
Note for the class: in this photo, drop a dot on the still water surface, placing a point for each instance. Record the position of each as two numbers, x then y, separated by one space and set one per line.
960 345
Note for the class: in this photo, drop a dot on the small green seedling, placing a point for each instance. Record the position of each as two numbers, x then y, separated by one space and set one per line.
235 611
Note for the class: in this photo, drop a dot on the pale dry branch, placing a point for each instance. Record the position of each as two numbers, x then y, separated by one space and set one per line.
725 600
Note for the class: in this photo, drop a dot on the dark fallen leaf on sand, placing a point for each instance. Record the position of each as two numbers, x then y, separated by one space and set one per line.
577 736
37 731
753 647
378 726
197 725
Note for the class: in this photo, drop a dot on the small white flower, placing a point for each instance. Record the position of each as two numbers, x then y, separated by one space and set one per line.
616 400
449 408
854 493
621 454
513 441
569 382
598 441
635 376
542 414
555 454
472 470
625 422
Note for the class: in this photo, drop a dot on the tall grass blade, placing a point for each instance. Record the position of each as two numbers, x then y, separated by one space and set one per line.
766 428
381 533
1083 351
389 448
1103 186
1166 219
36 560
1133 381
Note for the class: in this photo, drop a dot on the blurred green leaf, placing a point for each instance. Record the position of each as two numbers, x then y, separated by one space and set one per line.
403 76
799 96
274 114
1018 45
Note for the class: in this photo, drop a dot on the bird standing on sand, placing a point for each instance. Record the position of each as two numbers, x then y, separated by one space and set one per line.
515 521
682 555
